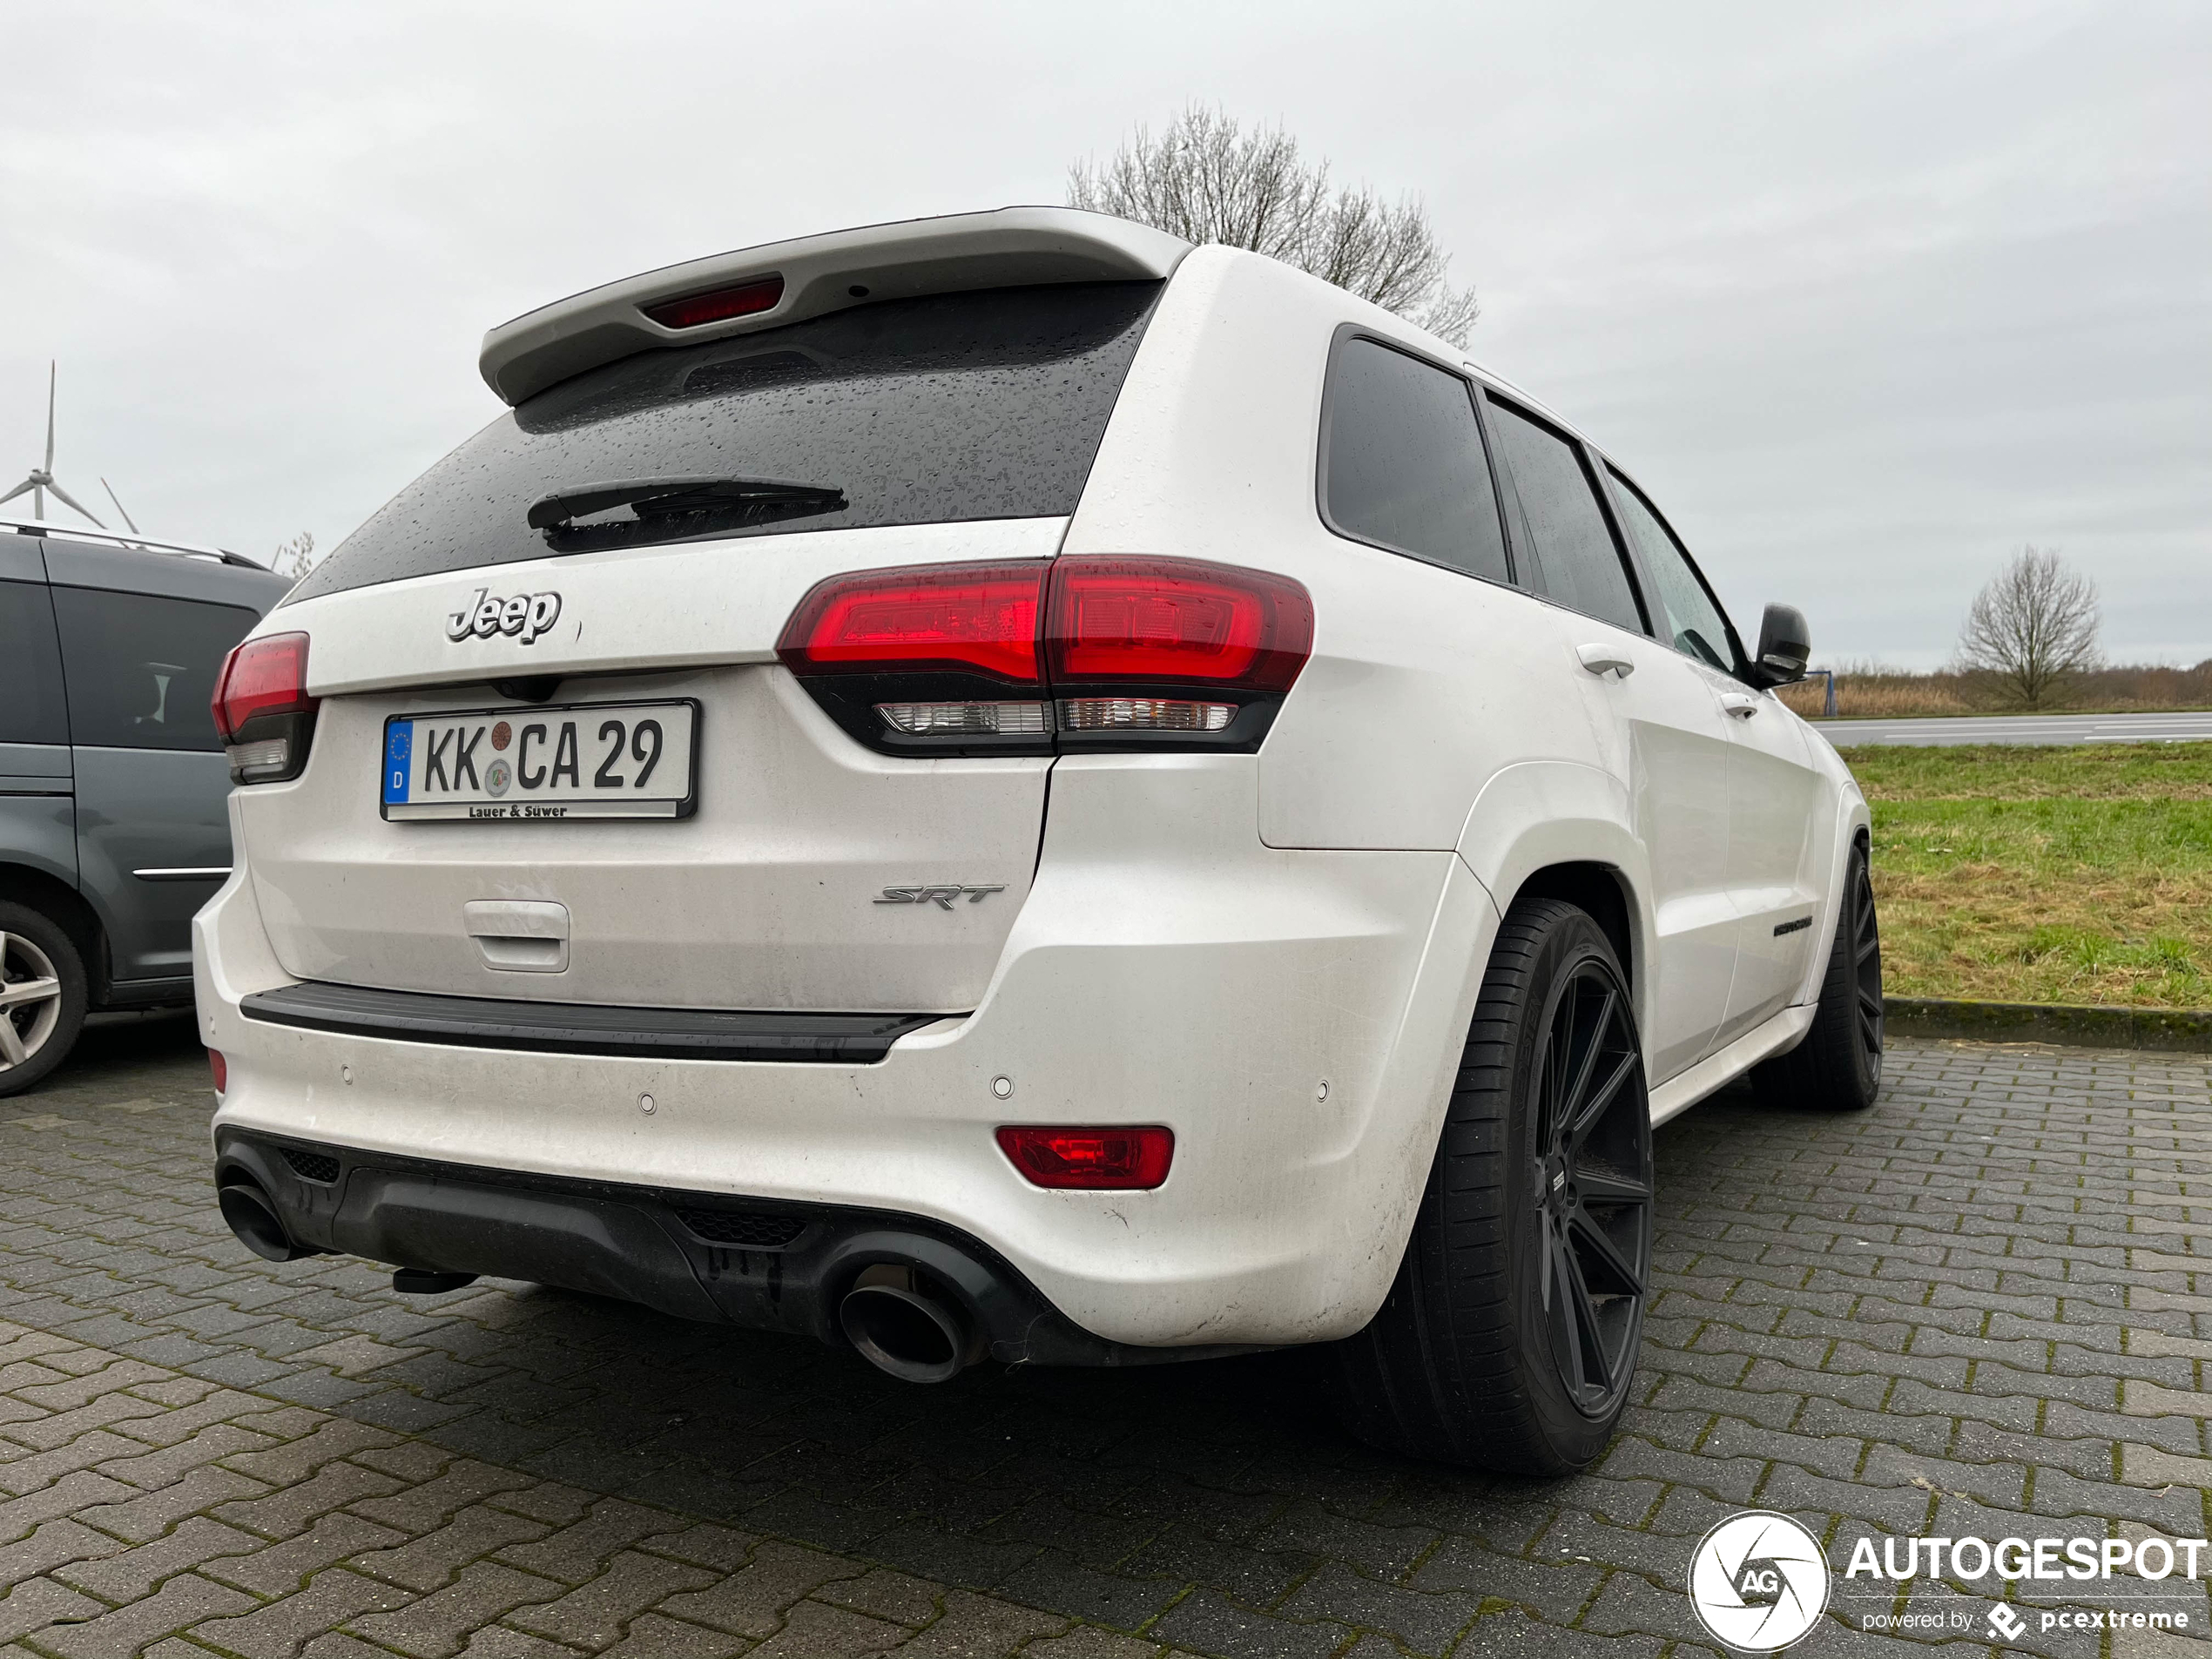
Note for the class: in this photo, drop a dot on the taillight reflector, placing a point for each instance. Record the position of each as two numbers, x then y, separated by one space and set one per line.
1090 1159
979 617
265 676
719 305
221 1068
1175 620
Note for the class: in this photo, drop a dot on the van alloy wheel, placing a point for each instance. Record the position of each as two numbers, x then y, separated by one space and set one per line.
1591 1166
30 1001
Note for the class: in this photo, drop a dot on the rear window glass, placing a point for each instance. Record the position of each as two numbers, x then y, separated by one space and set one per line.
962 405
1404 466
30 670
141 668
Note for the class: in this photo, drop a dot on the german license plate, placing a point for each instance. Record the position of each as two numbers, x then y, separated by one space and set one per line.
583 761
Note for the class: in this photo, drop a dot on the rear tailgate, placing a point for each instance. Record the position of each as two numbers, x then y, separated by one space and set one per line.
769 895
638 535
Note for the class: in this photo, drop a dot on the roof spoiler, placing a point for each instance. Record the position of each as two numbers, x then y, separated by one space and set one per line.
1011 248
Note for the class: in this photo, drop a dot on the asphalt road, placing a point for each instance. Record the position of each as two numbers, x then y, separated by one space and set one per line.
1982 1308
2192 727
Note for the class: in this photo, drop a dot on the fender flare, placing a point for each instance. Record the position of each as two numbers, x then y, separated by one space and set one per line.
1540 812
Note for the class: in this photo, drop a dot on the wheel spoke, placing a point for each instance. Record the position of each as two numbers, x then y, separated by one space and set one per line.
1559 1304
1599 1102
1595 1372
1627 1280
15 993
1602 1186
1578 1091
1870 1006
12 1048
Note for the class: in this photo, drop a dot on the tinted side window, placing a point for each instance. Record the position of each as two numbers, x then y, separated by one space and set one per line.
1582 568
1694 622
921 411
1404 464
31 670
141 669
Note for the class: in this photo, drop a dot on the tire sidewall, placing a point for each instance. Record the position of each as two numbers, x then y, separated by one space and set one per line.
1575 1439
68 966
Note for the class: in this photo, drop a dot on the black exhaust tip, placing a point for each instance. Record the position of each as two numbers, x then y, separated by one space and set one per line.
420 1281
254 1219
905 1333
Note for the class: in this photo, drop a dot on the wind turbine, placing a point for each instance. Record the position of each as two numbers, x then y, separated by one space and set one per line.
42 478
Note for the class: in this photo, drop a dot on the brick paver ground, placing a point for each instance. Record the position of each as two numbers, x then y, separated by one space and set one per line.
1984 1307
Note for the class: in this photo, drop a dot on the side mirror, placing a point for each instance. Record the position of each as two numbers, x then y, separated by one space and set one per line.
1785 643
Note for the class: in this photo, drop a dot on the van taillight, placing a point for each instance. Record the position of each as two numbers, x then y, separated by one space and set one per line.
1031 658
262 711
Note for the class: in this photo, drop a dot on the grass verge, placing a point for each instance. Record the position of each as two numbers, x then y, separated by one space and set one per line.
2044 874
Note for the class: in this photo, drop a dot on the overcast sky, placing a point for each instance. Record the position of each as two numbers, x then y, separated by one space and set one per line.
1867 295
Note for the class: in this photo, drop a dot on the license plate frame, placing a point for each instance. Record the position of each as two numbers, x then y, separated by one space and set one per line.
398 800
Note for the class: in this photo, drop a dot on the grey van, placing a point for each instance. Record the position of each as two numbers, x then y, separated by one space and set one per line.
114 823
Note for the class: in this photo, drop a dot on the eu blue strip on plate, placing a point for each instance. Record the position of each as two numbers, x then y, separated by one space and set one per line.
399 747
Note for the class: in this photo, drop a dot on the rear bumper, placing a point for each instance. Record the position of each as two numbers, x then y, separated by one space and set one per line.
1294 1017
762 1264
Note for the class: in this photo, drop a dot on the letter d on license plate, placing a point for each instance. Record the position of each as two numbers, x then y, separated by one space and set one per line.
583 761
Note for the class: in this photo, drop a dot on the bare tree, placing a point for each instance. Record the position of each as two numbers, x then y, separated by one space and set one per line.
2032 629
296 558
1209 180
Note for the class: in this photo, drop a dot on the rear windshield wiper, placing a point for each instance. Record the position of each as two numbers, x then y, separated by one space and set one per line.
662 509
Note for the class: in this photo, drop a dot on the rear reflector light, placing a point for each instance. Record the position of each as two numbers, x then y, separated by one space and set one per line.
265 676
1144 714
935 720
1090 1159
1176 619
982 619
696 310
220 1067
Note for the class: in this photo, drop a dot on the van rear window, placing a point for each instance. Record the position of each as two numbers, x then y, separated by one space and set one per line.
924 411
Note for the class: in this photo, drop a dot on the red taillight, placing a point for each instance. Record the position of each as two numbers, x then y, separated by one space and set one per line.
265 676
979 617
696 310
216 1064
1175 620
1091 1159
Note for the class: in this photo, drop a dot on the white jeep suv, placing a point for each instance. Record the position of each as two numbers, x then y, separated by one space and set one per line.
1008 788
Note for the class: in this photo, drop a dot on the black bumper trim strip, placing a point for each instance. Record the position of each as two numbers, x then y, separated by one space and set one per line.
578 1028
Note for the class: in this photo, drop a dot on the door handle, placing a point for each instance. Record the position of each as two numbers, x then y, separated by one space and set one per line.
1742 705
519 935
1606 659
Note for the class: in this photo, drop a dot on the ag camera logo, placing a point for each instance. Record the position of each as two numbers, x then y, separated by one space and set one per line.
1758 1582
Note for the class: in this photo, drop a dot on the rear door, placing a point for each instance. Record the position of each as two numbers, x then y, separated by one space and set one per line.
1773 789
798 868
152 832
1663 731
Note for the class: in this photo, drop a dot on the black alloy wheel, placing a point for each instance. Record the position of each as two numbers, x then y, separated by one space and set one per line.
1591 1167
1867 967
1509 1339
1837 1066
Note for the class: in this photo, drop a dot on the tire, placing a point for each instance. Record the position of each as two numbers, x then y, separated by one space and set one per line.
1509 1338
42 997
1837 1066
